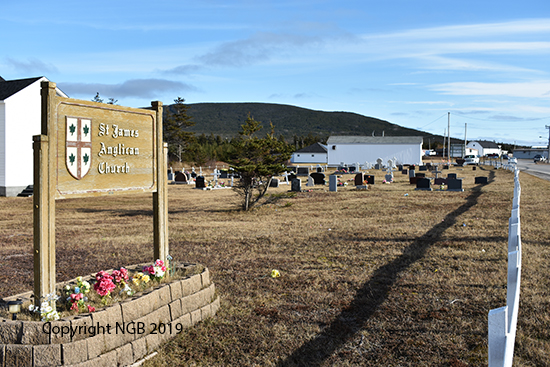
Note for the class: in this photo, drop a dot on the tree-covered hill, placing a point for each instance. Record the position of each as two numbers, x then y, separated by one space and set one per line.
225 119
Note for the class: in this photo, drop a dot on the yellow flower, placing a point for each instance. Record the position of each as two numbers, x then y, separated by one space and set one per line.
275 273
145 279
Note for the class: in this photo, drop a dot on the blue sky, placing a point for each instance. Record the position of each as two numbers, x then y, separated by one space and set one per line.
407 62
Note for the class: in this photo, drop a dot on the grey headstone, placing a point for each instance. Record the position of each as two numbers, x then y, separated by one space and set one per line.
481 180
454 184
199 182
451 175
302 171
181 177
296 185
422 168
359 179
412 173
318 178
274 182
332 183
423 183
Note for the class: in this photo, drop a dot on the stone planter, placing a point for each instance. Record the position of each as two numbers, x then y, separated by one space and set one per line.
117 335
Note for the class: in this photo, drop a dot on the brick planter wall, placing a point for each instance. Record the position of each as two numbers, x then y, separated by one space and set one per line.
118 335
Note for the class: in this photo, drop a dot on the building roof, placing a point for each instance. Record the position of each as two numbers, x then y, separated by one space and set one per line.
486 144
9 87
374 140
313 148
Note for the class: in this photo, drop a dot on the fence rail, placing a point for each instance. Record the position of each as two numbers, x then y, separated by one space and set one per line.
503 320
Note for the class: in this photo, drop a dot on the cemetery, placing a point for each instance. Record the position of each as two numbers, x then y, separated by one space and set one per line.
350 265
375 277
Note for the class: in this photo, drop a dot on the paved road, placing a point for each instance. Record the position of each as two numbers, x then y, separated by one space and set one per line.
541 170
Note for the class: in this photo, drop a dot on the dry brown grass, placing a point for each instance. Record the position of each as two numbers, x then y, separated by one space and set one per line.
371 278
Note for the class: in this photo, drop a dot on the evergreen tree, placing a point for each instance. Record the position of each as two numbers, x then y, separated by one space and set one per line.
174 125
256 160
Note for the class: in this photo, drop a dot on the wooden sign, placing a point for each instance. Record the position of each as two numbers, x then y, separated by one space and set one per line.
104 149
93 149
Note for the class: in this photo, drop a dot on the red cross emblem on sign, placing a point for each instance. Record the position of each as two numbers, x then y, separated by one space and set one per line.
78 146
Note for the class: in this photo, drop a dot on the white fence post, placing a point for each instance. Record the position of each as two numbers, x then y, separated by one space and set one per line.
503 320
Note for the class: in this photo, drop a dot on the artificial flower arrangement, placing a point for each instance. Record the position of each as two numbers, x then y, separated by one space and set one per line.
107 288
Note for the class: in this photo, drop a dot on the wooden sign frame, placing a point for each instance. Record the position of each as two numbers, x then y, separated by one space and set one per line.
91 149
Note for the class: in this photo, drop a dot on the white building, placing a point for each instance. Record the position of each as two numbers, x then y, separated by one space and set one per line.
351 149
484 147
314 153
20 119
530 153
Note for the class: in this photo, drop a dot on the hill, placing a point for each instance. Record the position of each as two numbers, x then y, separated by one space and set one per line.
225 119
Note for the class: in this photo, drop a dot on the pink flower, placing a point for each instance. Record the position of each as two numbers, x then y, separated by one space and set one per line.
91 308
159 263
74 306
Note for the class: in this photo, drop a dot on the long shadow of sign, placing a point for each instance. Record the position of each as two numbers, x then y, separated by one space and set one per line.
374 293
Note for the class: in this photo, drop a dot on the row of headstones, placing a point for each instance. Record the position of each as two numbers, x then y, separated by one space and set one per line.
453 183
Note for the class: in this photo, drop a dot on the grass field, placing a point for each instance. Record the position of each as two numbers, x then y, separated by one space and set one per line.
385 277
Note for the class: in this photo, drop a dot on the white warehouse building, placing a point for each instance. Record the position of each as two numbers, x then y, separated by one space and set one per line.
361 149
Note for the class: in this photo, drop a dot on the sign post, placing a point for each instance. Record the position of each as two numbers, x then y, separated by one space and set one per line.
89 149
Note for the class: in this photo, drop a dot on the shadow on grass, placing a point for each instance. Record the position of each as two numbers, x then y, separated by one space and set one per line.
373 293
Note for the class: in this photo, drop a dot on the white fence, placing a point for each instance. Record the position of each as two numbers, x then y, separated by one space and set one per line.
503 320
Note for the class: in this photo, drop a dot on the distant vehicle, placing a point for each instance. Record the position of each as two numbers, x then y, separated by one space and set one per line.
430 152
470 159
512 160
506 156
539 158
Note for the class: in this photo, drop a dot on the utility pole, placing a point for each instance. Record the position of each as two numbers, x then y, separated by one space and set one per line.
449 136
548 158
465 130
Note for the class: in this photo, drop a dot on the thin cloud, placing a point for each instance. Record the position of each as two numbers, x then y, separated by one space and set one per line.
534 89
257 48
140 88
184 69
31 66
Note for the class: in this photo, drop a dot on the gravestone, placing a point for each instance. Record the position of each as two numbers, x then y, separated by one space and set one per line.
296 185
412 180
404 171
454 184
369 179
224 174
400 167
319 169
292 176
332 183
389 176
359 179
318 178
423 183
181 178
170 174
422 168
481 180
440 181
274 182
474 168
420 175
412 173
302 171
194 174
446 166
451 175
310 181
200 182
